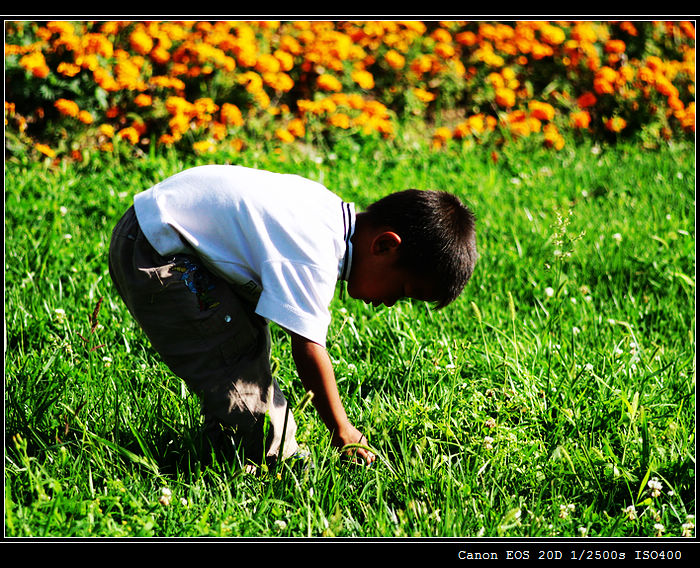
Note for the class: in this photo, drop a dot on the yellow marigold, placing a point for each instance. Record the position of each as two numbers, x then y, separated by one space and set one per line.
160 55
290 44
394 59
231 115
178 106
423 95
44 149
35 64
140 41
477 123
442 133
66 107
552 35
178 124
279 81
284 135
68 69
267 63
203 146
285 59
205 106
96 44
167 82
363 78
130 134
505 97
218 130
552 137
422 64
106 130
441 136
328 82
339 120
444 50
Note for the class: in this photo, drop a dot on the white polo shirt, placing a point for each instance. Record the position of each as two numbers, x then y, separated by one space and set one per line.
280 238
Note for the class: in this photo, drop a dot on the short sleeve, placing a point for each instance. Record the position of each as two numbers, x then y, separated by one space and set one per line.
296 296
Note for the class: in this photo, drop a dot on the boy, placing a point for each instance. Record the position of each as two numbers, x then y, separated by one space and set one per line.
204 259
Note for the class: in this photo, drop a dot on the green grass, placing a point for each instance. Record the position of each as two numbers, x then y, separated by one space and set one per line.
541 403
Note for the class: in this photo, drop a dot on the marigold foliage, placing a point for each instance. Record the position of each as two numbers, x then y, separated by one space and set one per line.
200 85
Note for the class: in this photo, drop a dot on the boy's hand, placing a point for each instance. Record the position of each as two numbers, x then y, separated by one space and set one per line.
351 435
316 373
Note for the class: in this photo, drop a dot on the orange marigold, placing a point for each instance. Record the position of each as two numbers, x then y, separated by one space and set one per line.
541 111
328 82
615 124
85 117
339 120
615 46
395 59
586 100
35 64
581 119
66 107
296 127
505 97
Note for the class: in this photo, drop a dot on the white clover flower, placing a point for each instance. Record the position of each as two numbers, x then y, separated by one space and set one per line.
490 423
488 442
549 292
281 524
655 487
630 512
566 510
659 529
165 496
617 237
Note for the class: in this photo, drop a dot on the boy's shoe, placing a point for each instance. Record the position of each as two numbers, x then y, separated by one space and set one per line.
300 461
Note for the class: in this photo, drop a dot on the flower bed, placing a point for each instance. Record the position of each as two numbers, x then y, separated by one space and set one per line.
203 85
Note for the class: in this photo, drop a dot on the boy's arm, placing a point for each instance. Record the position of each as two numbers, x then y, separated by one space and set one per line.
317 375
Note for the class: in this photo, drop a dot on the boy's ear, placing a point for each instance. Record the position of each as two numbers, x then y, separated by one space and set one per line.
385 242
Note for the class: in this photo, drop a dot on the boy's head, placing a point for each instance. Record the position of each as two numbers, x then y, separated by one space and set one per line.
422 241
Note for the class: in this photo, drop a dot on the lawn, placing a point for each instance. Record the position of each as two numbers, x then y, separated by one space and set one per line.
554 398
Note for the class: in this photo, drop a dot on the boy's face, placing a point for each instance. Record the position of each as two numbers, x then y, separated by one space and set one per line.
376 278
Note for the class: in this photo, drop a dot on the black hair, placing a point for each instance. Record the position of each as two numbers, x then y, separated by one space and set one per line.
437 237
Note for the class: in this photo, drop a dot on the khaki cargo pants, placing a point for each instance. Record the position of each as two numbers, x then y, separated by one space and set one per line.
210 337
